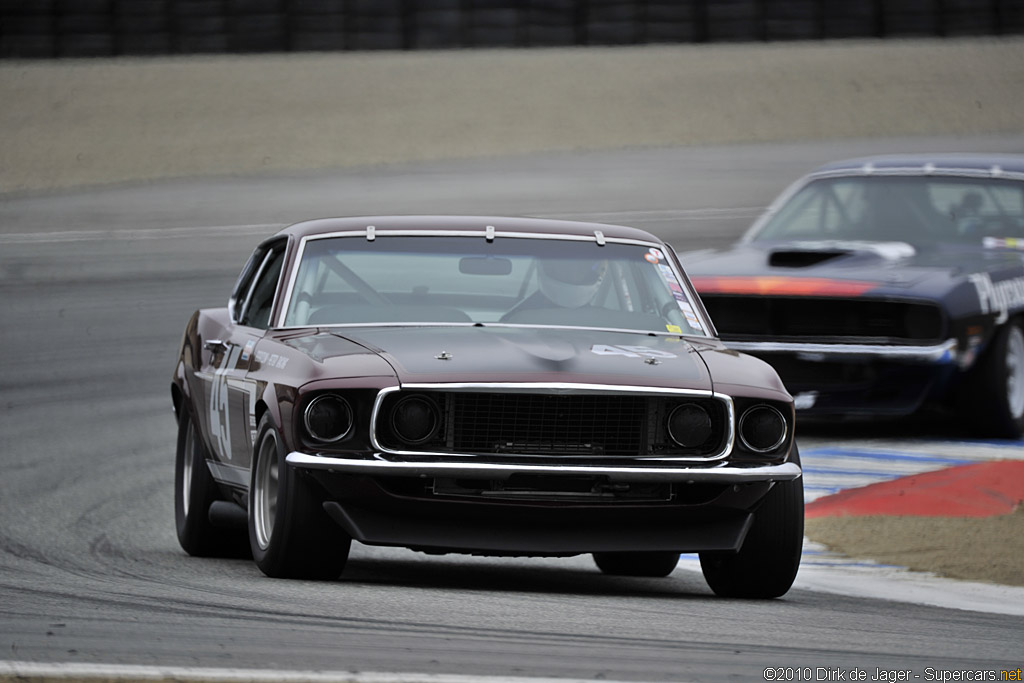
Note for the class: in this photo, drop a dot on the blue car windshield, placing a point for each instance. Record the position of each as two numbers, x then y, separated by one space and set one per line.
508 281
918 210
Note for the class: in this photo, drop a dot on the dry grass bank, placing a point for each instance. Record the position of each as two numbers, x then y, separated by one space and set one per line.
68 123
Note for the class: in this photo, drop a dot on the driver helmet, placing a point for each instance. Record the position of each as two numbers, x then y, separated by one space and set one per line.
571 283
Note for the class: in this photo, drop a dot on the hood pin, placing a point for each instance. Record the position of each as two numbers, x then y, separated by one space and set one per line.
444 355
651 360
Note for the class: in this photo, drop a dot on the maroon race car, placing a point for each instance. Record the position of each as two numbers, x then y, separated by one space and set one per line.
495 386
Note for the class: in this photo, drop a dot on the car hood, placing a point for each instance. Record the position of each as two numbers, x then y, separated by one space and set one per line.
526 354
841 268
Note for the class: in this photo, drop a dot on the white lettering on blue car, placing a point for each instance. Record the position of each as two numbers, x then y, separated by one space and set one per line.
999 297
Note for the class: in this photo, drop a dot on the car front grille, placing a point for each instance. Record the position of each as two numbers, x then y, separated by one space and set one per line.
548 424
565 425
808 319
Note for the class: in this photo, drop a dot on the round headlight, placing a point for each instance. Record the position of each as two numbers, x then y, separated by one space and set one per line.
415 419
328 418
689 425
762 429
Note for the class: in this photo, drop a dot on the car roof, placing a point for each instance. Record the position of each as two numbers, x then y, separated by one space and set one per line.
476 225
923 164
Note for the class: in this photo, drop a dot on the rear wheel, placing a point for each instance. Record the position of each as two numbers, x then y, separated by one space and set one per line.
994 397
290 534
656 564
769 558
194 492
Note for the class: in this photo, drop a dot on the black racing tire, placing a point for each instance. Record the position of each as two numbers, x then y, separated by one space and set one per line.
194 492
648 563
767 562
994 395
290 534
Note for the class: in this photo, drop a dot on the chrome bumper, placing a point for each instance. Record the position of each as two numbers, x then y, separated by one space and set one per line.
714 474
943 353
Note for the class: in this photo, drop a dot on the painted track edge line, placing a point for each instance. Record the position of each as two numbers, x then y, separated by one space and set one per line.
40 672
52 237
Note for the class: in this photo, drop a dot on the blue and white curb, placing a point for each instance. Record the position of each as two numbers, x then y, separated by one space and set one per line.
831 470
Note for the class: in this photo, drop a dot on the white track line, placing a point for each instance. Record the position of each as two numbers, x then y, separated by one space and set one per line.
14 671
139 234
628 217
663 215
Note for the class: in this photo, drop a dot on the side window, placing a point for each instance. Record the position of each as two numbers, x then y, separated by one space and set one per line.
260 300
244 283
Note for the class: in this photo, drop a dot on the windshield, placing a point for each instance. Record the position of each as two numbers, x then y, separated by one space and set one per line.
514 281
912 209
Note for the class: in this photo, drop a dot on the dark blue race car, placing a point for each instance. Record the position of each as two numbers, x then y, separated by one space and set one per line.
876 286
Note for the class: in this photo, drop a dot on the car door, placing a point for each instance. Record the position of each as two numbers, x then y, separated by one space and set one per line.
231 395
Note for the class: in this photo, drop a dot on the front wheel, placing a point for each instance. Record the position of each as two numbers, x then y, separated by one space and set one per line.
290 534
994 396
767 562
654 564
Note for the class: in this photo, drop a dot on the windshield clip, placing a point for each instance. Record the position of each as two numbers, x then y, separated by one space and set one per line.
599 236
371 233
490 233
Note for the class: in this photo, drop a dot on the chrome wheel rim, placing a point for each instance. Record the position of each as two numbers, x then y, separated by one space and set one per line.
1015 372
186 467
265 494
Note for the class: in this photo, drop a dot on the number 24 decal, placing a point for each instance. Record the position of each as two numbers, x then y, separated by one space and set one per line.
630 351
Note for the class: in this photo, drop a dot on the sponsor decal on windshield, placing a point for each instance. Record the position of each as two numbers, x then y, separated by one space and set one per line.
690 314
1002 243
672 282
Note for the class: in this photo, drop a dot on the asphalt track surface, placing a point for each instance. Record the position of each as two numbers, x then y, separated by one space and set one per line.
95 288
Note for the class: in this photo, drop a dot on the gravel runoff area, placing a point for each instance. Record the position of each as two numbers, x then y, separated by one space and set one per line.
76 123
81 122
974 548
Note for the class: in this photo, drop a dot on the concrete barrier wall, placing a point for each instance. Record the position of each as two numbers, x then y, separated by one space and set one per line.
89 28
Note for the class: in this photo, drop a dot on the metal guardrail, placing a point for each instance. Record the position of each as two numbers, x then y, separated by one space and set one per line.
87 28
